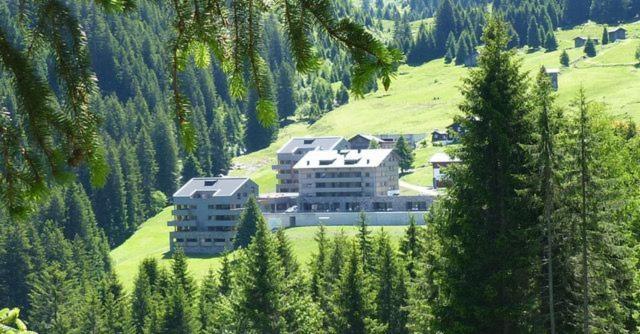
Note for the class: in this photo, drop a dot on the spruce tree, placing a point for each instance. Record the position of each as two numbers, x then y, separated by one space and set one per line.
191 168
405 154
410 247
16 265
221 150
462 53
262 285
109 202
450 49
54 301
166 147
590 48
564 58
146 156
352 299
207 298
180 276
445 25
546 162
551 44
605 36
142 301
576 12
249 219
390 290
485 290
179 315
365 244
533 34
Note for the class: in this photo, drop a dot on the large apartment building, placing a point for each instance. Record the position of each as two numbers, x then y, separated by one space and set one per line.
293 151
342 180
206 211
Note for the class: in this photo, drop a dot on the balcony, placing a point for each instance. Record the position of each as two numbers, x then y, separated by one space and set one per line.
284 176
280 167
183 212
182 223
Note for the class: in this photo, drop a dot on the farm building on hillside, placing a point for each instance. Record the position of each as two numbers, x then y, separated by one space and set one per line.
580 41
439 161
450 136
553 76
205 213
363 142
617 33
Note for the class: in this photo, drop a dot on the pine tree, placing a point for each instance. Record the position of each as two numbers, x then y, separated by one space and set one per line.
497 219
226 276
564 58
191 168
165 147
285 253
590 48
352 301
179 316
261 286
551 44
533 34
576 12
142 301
405 154
221 153
450 49
410 246
146 156
15 265
109 202
545 156
54 300
133 184
180 276
445 25
605 36
365 244
391 295
250 218
462 53
209 294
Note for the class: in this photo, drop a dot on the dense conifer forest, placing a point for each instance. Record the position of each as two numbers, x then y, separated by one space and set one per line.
538 234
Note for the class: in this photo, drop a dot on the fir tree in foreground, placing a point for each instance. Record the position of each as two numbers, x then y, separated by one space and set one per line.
487 216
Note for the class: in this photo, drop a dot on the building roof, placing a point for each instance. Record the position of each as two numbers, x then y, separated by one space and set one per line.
580 37
617 28
367 137
552 70
343 159
441 132
313 143
442 157
218 186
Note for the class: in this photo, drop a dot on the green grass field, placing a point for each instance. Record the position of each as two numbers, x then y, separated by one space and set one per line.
426 97
152 240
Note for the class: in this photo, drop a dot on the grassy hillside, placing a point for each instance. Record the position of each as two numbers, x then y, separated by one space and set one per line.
152 240
420 99
426 97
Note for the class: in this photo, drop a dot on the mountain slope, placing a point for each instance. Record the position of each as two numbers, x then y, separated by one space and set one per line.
426 97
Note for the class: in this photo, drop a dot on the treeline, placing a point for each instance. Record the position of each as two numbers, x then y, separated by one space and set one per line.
458 25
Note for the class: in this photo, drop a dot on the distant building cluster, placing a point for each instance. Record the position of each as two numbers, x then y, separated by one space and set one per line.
327 180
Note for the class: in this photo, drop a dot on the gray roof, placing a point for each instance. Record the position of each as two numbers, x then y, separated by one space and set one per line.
310 143
343 159
442 157
618 28
218 186
367 137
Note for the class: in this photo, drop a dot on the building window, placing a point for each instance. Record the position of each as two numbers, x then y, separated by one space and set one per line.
218 240
179 240
207 240
192 240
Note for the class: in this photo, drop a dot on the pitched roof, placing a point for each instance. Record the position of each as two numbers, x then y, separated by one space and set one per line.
343 159
218 186
442 157
310 143
367 137
617 28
